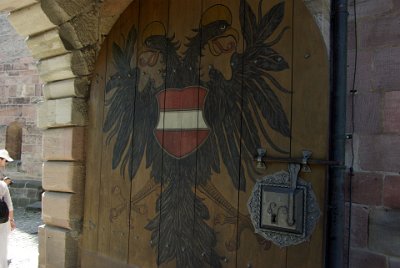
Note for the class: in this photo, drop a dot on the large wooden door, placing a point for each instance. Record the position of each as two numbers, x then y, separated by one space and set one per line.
183 95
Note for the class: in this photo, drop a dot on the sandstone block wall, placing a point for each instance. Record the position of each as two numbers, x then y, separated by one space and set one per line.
20 91
375 229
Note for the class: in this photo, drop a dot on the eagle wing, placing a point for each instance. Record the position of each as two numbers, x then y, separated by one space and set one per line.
125 120
244 101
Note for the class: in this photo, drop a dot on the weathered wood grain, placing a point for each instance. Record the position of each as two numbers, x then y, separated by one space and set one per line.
310 128
91 229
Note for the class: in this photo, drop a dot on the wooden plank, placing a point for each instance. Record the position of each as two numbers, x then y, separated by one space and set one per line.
144 190
46 45
118 185
310 124
93 259
222 202
63 176
38 21
255 251
64 144
91 223
180 218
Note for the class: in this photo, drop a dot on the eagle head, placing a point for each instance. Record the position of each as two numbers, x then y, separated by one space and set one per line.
150 60
220 41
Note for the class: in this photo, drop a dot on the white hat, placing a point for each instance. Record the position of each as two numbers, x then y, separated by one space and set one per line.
4 154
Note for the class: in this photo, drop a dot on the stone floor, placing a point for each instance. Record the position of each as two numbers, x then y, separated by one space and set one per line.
23 243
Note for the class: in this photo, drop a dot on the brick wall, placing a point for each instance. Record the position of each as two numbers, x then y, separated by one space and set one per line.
20 89
375 229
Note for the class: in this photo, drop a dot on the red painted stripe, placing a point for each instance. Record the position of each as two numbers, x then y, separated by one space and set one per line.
182 99
181 143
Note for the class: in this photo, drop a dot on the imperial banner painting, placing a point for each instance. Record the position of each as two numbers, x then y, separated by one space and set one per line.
185 92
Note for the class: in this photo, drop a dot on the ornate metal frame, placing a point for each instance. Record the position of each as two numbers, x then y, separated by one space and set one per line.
311 209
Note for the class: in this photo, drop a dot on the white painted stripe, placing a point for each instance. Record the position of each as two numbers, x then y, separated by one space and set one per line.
182 120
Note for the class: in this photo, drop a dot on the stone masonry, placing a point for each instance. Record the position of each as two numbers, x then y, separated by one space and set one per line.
375 214
20 90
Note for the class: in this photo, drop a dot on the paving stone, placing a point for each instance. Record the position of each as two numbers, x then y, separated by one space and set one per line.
23 243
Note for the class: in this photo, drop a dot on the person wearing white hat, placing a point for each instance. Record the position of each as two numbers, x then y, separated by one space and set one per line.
6 227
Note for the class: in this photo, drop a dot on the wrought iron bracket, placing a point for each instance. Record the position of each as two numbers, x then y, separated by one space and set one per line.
262 160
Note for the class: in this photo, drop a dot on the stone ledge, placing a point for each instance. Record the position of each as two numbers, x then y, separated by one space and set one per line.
62 113
73 64
64 144
62 210
63 176
25 192
11 5
58 247
38 21
46 45
76 87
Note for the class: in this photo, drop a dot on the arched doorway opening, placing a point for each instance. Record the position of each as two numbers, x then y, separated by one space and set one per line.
14 139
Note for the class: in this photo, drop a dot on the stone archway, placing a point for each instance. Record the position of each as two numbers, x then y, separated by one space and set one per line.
14 140
65 36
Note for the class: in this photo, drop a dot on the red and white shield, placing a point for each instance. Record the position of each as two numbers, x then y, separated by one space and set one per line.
181 127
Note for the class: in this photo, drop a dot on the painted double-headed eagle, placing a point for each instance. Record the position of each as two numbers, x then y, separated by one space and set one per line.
187 112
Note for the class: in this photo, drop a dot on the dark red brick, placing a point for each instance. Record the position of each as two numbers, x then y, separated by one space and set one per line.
368 8
384 231
391 192
364 81
359 226
367 113
391 112
379 31
379 153
387 67
366 188
367 259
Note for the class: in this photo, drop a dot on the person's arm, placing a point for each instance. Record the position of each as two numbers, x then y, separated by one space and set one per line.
11 219
7 199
